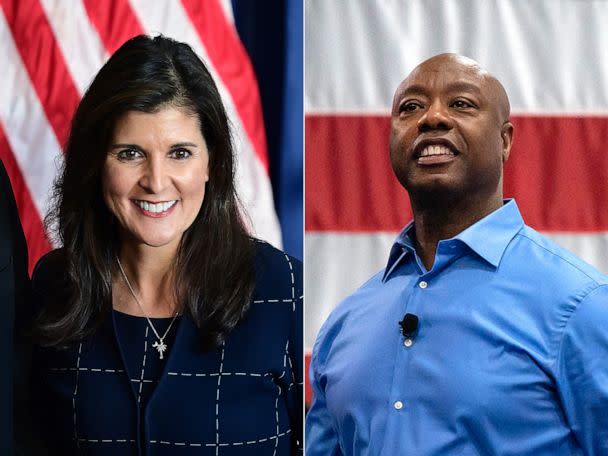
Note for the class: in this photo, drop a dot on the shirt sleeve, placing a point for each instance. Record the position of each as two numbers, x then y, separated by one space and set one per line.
582 372
321 437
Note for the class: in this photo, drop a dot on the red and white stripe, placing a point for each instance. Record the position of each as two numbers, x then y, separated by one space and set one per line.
550 55
52 51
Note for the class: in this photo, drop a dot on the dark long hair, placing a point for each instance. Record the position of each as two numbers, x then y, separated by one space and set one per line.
215 271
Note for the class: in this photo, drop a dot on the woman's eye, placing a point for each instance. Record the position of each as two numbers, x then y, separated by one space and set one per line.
128 154
180 154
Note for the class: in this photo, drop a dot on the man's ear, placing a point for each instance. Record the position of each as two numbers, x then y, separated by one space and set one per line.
506 134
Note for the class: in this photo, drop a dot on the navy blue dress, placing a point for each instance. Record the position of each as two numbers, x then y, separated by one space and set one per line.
244 398
143 363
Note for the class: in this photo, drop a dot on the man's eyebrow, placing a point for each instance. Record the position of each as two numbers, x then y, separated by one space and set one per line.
413 90
462 86
456 86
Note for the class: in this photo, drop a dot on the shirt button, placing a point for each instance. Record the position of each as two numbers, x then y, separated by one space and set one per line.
423 284
398 405
408 342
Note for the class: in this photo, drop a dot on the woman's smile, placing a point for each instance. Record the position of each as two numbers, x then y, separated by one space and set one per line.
156 210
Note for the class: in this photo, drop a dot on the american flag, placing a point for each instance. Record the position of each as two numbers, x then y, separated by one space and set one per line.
551 57
52 49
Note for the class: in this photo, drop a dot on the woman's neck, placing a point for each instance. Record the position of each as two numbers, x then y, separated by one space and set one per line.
150 272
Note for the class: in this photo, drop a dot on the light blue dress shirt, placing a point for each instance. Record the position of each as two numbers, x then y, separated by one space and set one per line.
510 358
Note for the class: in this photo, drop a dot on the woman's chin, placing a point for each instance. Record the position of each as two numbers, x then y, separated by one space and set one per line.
154 240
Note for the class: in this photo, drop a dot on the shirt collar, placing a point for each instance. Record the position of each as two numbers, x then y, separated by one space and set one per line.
488 237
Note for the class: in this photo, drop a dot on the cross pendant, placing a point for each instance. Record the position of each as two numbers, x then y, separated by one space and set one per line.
160 347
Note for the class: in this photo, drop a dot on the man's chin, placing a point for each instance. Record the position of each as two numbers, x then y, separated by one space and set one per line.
430 182
436 191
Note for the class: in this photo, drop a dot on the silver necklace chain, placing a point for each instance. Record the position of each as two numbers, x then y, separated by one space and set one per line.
160 345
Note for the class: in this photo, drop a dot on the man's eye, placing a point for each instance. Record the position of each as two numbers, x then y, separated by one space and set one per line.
180 154
409 107
460 104
128 154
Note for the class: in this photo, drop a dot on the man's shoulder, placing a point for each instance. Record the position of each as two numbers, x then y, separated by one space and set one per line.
546 259
364 296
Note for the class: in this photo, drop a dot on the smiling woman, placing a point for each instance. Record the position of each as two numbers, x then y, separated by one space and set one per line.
154 175
161 324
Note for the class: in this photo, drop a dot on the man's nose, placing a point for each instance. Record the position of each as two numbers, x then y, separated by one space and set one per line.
155 176
436 117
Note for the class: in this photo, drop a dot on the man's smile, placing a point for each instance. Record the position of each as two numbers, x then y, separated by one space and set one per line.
436 151
436 155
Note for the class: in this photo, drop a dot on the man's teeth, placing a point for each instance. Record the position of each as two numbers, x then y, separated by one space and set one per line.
156 208
436 150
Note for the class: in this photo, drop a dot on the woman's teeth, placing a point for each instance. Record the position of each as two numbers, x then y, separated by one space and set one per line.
155 207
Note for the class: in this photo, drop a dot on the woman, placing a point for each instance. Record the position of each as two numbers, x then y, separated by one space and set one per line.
163 327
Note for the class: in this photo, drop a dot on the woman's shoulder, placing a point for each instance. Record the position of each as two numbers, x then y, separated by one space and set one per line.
277 273
269 259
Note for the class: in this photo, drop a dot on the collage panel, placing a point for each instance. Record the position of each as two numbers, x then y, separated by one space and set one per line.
455 229
151 241
175 176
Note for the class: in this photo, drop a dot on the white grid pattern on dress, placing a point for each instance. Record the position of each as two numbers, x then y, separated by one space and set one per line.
247 442
276 414
273 301
91 369
293 284
293 375
78 369
219 374
285 356
217 403
143 366
107 440
76 392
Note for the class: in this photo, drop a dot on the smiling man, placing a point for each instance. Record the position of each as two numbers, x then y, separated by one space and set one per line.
480 336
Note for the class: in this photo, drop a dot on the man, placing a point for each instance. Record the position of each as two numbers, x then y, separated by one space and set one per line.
14 284
505 350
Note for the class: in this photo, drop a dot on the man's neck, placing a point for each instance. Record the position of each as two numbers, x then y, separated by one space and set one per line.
433 223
